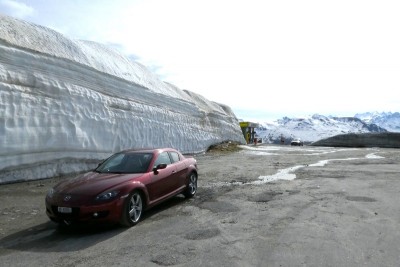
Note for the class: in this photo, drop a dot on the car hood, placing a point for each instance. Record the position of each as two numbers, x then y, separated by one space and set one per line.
93 183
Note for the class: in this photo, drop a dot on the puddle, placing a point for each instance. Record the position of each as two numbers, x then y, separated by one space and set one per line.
361 199
288 173
309 151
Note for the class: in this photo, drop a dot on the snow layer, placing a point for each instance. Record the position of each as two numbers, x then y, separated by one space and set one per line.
66 104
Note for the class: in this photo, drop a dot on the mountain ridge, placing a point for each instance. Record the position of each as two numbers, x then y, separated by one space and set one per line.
388 120
317 127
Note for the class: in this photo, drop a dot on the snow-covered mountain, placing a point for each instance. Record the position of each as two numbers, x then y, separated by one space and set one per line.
312 128
388 120
65 104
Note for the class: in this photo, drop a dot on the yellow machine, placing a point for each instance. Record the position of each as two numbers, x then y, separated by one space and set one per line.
248 131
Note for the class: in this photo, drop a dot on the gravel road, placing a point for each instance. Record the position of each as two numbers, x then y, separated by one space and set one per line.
260 206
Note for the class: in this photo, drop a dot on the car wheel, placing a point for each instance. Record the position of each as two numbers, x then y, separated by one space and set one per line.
192 186
133 209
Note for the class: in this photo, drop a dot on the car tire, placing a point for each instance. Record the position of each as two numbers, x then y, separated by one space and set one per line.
191 188
133 209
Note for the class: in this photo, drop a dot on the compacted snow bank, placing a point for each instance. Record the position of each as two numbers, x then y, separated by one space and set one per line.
66 104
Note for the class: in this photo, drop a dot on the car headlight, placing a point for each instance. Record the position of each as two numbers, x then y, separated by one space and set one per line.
50 193
107 195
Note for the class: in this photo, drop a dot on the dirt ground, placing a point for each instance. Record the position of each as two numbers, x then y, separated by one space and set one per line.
256 206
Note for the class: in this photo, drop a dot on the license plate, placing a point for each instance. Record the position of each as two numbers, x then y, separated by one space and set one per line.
64 210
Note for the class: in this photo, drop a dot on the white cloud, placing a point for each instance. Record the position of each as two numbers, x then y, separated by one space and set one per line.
17 9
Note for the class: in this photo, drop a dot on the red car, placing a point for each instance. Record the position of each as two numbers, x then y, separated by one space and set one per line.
122 187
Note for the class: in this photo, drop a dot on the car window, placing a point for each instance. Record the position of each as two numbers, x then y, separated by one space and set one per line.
136 163
162 158
111 162
126 163
174 157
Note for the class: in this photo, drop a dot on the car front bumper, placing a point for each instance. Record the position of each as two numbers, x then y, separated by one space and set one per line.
103 212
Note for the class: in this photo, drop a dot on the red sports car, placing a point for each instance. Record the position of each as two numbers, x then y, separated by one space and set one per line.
122 187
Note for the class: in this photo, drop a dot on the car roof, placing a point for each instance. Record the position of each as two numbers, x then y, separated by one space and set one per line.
147 150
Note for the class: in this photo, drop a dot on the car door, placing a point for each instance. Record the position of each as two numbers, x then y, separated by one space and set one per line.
181 169
163 181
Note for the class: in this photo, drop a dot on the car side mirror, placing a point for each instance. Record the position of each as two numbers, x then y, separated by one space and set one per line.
159 167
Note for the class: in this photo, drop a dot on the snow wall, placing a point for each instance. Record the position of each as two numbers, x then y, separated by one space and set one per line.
66 104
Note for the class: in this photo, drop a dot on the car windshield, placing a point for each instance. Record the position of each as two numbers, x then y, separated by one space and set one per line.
126 163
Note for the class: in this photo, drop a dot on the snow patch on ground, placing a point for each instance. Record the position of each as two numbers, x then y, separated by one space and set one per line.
284 174
373 156
288 173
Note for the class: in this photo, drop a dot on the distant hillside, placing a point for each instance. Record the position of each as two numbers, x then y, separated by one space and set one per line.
388 139
313 128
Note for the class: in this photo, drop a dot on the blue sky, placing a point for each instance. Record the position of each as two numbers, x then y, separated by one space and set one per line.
265 59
